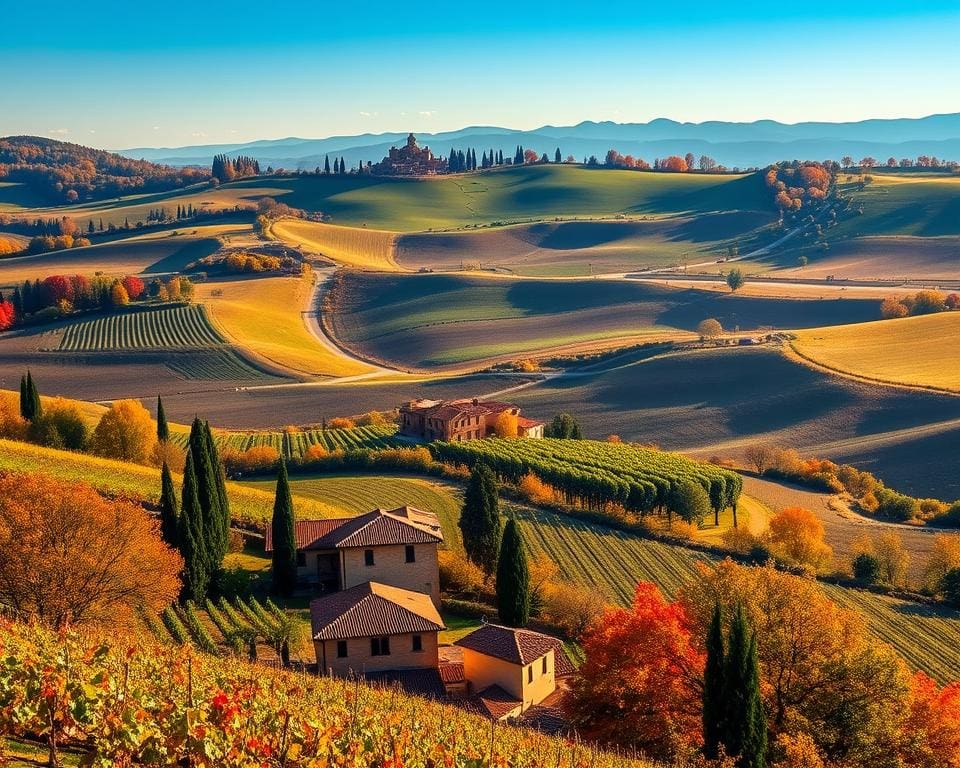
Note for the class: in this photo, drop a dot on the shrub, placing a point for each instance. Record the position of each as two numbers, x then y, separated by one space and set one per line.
259 458
458 574
892 307
896 506
709 329
314 452
373 419
535 490
341 423
950 586
866 568
739 540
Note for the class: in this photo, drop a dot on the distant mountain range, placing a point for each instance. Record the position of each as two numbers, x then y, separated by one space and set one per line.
732 144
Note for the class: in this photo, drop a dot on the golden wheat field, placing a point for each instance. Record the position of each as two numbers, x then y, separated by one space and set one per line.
916 351
350 246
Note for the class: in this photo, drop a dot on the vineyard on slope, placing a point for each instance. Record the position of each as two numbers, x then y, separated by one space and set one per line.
593 474
124 701
294 444
181 327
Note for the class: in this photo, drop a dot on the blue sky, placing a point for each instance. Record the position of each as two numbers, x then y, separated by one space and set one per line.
123 74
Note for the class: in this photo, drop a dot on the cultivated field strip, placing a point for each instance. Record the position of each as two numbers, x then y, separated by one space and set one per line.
295 444
181 327
217 365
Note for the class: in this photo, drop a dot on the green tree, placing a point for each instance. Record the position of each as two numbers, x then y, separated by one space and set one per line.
196 572
30 406
220 479
168 507
326 165
690 501
866 568
950 586
163 431
211 518
513 578
714 705
565 427
745 729
735 279
480 519
284 572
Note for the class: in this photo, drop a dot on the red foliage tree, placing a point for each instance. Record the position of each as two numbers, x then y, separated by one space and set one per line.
7 315
134 287
674 164
58 288
933 724
639 686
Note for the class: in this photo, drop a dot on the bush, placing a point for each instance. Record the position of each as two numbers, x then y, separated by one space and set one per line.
457 574
315 452
571 608
896 506
260 458
341 423
373 419
866 568
950 587
950 518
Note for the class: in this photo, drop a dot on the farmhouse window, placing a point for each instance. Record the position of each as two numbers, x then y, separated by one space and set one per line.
341 649
544 665
411 553
530 674
379 646
368 557
417 643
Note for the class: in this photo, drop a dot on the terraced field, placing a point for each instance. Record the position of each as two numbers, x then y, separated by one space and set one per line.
181 327
295 444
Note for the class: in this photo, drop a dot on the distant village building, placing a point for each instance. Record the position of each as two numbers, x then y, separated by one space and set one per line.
461 420
410 160
397 547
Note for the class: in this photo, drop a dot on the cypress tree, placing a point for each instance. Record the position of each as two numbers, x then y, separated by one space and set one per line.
326 165
480 520
163 431
168 507
196 574
556 157
513 578
714 709
210 527
343 167
745 730
221 484
284 570
24 400
17 302
32 410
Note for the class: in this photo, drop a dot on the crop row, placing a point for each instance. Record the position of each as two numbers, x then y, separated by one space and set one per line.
295 444
181 327
216 365
593 473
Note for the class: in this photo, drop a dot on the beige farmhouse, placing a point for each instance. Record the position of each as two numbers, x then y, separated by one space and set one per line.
460 420
396 547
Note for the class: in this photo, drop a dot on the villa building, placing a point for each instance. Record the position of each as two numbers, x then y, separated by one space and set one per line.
410 160
460 420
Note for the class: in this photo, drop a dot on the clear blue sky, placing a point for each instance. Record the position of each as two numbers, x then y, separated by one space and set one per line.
124 74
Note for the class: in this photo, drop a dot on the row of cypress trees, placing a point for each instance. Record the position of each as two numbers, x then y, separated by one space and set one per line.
200 530
734 722
494 547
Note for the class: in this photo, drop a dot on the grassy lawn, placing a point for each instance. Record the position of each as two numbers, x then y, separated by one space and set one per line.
456 627
264 316
918 204
921 351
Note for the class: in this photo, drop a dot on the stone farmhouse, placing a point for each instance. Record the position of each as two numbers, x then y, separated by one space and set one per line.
396 547
410 160
461 420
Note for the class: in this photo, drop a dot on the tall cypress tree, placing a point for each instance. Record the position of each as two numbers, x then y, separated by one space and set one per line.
284 570
196 573
714 707
168 508
210 516
221 484
24 399
326 165
513 578
480 520
745 729
31 408
557 158
163 430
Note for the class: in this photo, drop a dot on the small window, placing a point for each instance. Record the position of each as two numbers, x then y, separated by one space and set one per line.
544 665
411 554
341 649
379 646
301 559
417 643
368 557
530 674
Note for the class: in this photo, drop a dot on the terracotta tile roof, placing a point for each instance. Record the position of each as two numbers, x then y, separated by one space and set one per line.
493 702
523 421
372 609
416 682
450 409
548 720
404 525
517 646
452 672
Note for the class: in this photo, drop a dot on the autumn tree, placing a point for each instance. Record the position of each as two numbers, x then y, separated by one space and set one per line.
125 432
70 556
513 578
284 557
797 538
639 685
505 425
891 556
735 279
759 456
709 328
943 558
933 724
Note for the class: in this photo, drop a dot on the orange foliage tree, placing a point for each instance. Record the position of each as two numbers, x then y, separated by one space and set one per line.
932 738
640 684
125 432
68 556
796 536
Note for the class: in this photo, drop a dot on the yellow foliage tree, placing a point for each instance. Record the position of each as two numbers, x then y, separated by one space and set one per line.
505 425
118 295
125 432
796 537
69 556
944 557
